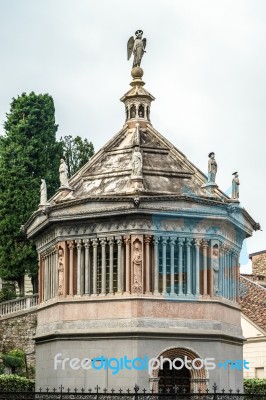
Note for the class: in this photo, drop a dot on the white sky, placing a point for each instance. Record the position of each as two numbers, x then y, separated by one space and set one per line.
205 64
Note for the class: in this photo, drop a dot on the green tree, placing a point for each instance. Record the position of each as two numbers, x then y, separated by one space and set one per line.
77 152
28 152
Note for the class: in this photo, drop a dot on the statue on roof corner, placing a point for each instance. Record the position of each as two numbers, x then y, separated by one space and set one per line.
235 186
137 47
212 168
63 173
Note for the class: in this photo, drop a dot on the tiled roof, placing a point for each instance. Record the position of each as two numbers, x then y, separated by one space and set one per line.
253 301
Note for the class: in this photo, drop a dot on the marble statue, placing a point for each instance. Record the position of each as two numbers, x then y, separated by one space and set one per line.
212 168
235 186
137 162
137 47
43 191
63 173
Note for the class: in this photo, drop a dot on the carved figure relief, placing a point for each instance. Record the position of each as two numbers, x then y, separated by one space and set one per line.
60 272
136 162
215 267
137 267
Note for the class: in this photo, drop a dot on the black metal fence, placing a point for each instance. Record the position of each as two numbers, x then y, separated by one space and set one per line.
135 394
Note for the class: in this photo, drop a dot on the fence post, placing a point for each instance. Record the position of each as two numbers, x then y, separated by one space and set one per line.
136 389
215 387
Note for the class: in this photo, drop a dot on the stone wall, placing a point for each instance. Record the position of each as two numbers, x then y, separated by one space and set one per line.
259 264
17 331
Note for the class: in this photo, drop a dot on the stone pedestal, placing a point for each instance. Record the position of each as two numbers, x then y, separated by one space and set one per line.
210 188
137 182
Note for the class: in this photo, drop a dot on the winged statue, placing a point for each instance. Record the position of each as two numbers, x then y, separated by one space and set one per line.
137 47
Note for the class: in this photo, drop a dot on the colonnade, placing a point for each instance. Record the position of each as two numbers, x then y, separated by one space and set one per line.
170 266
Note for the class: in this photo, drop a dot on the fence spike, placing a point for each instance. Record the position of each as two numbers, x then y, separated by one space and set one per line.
136 388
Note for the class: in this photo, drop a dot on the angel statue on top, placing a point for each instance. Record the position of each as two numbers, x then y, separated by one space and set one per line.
137 47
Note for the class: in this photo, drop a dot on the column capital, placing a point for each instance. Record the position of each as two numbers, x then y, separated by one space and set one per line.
188 242
156 240
205 243
119 240
103 242
79 243
172 241
181 242
225 248
87 243
198 242
95 242
165 239
127 239
110 241
147 239
71 244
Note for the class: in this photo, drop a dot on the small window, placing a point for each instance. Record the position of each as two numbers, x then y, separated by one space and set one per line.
141 111
132 112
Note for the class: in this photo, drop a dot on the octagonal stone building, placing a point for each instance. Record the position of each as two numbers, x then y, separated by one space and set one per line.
138 258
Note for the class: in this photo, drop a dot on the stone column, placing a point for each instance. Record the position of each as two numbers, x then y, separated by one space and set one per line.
46 277
189 278
103 286
205 267
94 272
127 243
87 267
227 272
221 268
54 264
164 242
231 260
119 265
156 266
197 269
79 247
41 278
71 246
180 266
237 274
111 261
147 286
49 274
172 250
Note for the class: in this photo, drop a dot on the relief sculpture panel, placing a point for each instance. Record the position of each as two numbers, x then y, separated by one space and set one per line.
137 264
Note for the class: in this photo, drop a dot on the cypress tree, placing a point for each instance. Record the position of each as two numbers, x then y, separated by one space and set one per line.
28 152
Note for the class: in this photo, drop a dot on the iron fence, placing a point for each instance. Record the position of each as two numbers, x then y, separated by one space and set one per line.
135 394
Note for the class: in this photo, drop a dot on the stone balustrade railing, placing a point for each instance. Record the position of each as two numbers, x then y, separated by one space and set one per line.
20 304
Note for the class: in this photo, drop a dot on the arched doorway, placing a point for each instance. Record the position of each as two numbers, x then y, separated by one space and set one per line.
182 380
170 378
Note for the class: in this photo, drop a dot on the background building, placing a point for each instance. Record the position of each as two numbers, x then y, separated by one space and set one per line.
253 320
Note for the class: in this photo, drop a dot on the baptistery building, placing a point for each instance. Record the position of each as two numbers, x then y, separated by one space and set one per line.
139 260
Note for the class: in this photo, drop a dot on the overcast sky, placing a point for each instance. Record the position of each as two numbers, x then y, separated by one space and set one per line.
205 64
